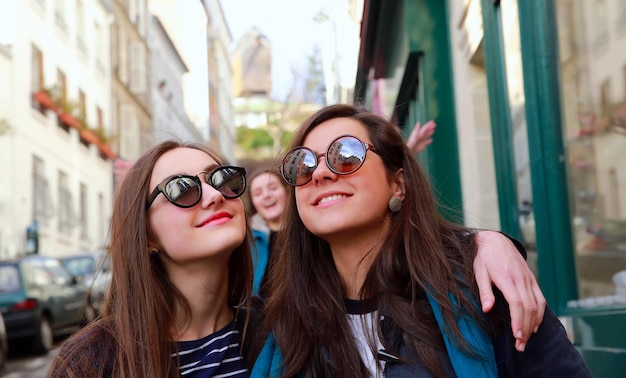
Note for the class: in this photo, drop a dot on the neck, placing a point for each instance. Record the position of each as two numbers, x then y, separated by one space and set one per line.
206 292
353 258
274 225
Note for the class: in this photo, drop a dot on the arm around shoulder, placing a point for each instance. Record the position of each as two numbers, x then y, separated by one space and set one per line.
549 352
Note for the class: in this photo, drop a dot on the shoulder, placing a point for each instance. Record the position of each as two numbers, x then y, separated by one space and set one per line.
90 352
549 352
250 321
258 224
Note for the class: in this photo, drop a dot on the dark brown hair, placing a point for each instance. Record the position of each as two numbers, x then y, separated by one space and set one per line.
134 331
421 253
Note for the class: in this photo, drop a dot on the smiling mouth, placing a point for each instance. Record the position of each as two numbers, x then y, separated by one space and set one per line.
332 198
269 204
216 219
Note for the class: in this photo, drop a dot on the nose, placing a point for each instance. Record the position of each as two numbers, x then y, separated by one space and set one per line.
322 172
210 196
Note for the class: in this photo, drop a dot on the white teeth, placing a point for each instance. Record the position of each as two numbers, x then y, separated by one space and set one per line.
332 198
268 204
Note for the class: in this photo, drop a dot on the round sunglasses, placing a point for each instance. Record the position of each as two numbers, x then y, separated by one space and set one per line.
344 155
185 191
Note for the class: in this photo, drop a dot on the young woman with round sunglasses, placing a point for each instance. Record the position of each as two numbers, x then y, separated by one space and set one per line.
268 195
179 246
375 281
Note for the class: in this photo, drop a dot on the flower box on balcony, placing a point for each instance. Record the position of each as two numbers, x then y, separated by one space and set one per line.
88 137
45 101
106 152
69 120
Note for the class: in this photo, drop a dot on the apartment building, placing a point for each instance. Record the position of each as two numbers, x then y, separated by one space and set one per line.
130 59
55 100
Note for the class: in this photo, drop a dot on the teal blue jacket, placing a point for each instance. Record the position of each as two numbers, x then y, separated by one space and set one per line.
260 255
269 361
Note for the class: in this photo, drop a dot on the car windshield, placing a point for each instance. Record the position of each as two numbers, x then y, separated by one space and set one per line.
9 279
79 266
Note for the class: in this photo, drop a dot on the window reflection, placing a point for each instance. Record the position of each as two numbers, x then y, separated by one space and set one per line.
593 80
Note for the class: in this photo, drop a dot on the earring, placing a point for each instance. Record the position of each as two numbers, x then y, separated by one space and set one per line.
395 204
154 253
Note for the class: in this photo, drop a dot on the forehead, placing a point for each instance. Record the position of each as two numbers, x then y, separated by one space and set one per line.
319 138
264 179
181 160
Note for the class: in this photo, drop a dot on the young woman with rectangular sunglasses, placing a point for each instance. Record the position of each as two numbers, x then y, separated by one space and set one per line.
372 281
179 246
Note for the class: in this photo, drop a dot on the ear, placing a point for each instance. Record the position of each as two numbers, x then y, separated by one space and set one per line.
152 247
397 184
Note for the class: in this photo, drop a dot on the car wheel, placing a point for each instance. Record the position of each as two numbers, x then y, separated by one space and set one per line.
44 341
3 355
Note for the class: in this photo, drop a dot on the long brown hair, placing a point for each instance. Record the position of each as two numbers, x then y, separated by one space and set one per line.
421 253
140 309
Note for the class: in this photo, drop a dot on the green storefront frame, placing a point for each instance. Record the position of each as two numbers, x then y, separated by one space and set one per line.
427 92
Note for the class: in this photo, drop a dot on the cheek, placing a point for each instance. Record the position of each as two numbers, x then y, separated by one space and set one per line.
301 202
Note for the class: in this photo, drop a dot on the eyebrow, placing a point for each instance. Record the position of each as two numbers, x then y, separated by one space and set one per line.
206 169
211 167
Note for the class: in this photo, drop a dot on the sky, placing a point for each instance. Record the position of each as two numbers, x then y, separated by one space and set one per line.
290 27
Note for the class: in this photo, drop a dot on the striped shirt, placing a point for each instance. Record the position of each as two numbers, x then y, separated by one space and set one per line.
216 355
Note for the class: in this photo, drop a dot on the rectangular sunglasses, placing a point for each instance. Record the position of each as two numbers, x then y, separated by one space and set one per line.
186 191
344 155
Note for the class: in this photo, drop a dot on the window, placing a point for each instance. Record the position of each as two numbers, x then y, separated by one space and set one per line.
62 83
99 47
80 27
605 97
599 19
621 14
59 14
36 69
84 212
42 206
9 279
122 64
138 68
65 205
82 106
99 119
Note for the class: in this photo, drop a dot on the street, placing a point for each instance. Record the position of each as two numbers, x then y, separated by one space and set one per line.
24 365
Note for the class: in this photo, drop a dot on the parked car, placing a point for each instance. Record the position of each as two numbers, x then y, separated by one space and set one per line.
81 265
39 299
99 284
4 344
87 267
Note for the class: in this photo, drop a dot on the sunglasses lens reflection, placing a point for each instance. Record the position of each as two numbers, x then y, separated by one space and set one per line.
229 181
298 166
344 156
183 191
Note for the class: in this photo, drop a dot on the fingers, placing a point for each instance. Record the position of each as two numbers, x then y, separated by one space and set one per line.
487 298
413 140
541 305
501 263
420 137
428 129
